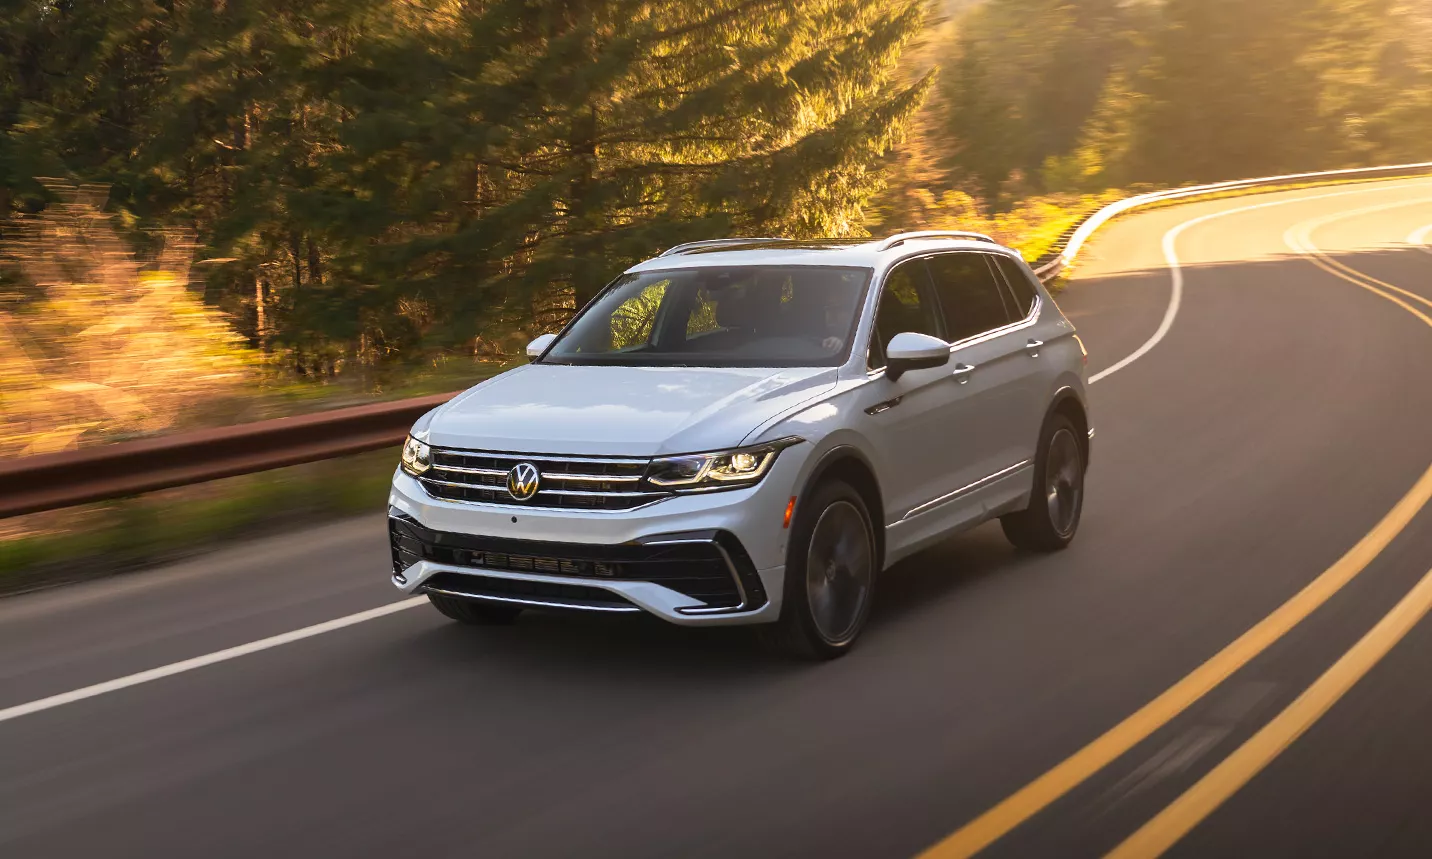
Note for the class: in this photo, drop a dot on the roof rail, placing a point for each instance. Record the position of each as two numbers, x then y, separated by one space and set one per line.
712 243
902 238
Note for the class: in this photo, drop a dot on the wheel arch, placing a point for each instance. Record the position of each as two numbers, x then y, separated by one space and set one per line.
1070 404
850 464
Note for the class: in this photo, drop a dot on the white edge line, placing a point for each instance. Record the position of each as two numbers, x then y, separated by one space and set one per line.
1419 238
1170 250
207 659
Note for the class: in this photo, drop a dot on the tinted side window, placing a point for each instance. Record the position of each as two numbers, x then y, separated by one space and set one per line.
970 297
1019 285
905 305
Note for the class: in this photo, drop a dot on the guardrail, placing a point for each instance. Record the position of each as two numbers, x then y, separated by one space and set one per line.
30 484
1065 255
51 481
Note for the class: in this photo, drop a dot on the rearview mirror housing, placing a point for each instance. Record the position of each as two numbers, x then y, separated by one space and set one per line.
538 346
910 351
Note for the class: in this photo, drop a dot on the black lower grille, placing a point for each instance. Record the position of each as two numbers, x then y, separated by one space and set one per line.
561 594
696 566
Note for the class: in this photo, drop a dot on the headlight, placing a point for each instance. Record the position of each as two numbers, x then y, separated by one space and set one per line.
726 469
417 457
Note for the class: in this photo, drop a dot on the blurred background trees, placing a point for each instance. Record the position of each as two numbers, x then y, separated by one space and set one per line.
1084 95
393 177
378 182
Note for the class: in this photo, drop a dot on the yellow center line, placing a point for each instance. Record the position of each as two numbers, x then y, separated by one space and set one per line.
1300 239
1176 820
1199 801
1112 744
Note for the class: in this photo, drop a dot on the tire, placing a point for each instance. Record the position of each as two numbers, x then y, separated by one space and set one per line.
474 613
1051 520
831 567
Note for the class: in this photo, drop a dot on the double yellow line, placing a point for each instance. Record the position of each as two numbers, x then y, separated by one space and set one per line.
1175 821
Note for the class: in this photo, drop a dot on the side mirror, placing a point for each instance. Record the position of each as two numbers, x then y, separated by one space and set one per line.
538 346
911 351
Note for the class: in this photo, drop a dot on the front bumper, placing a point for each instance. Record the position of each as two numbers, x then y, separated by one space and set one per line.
698 560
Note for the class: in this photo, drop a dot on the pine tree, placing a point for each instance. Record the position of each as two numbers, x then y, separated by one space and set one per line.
548 144
377 177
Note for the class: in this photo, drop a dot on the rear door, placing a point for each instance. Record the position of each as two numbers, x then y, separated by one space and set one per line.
1055 353
984 322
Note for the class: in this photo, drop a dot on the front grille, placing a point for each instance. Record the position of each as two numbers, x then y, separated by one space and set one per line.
569 483
696 566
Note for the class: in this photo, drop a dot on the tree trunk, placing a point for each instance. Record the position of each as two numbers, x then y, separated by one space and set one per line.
261 317
315 268
295 252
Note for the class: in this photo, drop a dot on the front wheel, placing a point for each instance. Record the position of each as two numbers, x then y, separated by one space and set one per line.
1051 520
830 575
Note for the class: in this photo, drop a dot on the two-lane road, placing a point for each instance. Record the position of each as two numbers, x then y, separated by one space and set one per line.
1271 442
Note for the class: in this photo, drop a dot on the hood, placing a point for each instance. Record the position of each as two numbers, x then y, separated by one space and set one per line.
621 411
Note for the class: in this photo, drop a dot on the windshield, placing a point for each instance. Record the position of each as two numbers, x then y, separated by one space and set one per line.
739 316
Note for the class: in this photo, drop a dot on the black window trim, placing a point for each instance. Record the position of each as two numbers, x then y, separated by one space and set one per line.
1038 299
1013 325
928 293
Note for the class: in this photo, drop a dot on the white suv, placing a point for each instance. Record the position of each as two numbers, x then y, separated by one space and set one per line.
748 432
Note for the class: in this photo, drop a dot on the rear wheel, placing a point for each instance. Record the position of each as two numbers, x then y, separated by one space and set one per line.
830 576
1051 520
475 613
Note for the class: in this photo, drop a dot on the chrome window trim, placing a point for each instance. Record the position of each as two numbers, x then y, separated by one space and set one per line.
963 490
995 333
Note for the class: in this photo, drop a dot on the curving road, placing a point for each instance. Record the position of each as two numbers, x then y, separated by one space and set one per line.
1231 660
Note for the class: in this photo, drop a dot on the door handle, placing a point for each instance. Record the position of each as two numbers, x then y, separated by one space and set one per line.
962 373
1033 347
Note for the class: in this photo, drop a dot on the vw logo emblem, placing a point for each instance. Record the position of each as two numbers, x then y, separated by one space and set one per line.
523 481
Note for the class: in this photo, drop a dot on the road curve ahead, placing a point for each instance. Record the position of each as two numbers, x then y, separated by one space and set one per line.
1231 661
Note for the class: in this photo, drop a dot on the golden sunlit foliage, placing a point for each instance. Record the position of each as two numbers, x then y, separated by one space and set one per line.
96 344
1040 96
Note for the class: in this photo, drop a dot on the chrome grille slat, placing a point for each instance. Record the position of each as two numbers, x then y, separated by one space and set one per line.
581 493
567 482
533 457
483 472
591 478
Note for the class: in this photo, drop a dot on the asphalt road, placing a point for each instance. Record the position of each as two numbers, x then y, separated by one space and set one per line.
1281 418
